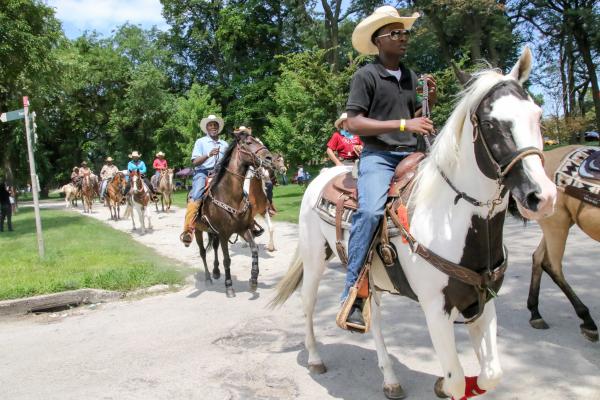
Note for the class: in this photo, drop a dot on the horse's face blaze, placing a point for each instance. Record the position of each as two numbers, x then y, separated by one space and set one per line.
509 121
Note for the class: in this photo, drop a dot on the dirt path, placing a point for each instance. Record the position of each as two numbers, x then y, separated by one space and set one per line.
197 344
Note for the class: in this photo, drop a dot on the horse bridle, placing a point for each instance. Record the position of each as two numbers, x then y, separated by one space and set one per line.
501 168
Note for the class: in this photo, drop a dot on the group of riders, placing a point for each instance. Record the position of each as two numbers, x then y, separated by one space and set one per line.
109 170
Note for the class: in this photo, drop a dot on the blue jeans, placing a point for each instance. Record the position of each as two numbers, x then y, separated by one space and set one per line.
103 186
198 184
375 172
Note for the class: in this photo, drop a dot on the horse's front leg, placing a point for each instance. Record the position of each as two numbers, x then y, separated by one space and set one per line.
483 339
254 249
441 331
216 273
391 385
227 263
271 245
200 241
141 213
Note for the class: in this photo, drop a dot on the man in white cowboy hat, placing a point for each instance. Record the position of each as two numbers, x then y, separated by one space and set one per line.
159 164
344 147
207 151
383 108
135 164
108 171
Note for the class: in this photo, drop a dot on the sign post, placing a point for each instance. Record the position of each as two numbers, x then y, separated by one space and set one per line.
34 179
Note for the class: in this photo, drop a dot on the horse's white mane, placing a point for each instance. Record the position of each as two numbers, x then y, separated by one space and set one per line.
445 151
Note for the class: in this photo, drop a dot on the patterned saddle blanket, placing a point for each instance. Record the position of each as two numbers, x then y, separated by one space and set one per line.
579 174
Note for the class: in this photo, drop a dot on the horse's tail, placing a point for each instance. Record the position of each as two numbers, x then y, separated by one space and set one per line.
213 241
290 282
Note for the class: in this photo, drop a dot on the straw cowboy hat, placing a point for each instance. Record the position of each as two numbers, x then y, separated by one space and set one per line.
109 159
160 154
382 16
83 163
341 119
134 154
211 118
243 129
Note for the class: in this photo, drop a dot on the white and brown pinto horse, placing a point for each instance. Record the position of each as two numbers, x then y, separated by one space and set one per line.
164 187
137 202
490 146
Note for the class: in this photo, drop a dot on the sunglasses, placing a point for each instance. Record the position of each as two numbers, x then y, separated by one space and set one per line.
396 34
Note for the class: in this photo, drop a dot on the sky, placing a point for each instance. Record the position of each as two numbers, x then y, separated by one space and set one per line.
77 16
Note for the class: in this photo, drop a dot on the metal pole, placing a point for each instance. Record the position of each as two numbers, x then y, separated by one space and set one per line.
34 181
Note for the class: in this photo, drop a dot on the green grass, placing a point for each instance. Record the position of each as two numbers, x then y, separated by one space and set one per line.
80 253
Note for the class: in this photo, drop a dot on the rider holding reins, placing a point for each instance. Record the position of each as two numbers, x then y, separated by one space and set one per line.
207 151
382 107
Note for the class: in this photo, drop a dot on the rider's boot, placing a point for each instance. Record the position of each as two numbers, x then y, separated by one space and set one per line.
189 224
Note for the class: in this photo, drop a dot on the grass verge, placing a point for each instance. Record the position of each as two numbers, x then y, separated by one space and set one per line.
80 252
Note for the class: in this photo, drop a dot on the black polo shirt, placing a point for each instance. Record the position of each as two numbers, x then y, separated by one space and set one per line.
378 95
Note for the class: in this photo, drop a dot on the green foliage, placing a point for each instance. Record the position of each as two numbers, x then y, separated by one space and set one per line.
182 128
308 99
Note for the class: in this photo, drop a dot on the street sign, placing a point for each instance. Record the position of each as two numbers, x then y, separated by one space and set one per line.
12 115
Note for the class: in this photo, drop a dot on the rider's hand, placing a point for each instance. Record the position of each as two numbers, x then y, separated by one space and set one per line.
213 152
420 126
358 149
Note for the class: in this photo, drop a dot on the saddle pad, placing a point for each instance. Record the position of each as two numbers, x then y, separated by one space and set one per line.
326 211
590 168
568 172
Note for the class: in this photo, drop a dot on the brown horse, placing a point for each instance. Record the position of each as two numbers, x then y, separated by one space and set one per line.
88 190
165 188
549 253
114 192
226 210
257 195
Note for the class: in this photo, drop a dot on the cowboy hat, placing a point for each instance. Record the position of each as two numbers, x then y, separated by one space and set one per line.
243 129
211 118
134 154
160 153
382 16
341 119
84 163
109 159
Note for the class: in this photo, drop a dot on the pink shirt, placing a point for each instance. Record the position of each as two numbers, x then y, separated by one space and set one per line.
159 164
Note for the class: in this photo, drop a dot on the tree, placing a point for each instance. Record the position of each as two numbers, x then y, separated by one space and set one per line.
29 32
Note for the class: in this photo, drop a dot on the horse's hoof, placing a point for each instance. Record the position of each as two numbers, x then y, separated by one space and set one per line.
253 285
538 324
393 391
270 248
590 334
438 388
208 279
317 369
216 274
230 292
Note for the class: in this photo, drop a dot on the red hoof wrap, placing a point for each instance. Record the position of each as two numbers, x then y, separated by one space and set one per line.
471 388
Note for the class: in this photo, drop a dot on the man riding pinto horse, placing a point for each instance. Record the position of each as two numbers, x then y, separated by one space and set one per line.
160 164
138 165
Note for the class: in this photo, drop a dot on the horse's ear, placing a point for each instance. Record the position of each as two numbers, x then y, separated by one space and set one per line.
520 71
463 76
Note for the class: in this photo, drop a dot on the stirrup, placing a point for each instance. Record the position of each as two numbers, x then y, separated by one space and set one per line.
342 315
186 238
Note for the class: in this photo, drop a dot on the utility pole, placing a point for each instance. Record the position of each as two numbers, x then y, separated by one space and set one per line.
34 179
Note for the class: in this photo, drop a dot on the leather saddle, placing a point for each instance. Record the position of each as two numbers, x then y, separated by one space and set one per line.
342 192
590 167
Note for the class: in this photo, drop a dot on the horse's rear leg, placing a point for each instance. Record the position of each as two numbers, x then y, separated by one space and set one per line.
555 247
227 263
254 272
200 240
483 338
216 273
391 385
313 256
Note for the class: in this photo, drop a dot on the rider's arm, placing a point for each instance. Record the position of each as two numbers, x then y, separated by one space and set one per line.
332 157
357 122
142 167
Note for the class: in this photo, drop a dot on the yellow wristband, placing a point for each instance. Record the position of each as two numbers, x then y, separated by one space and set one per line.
402 125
